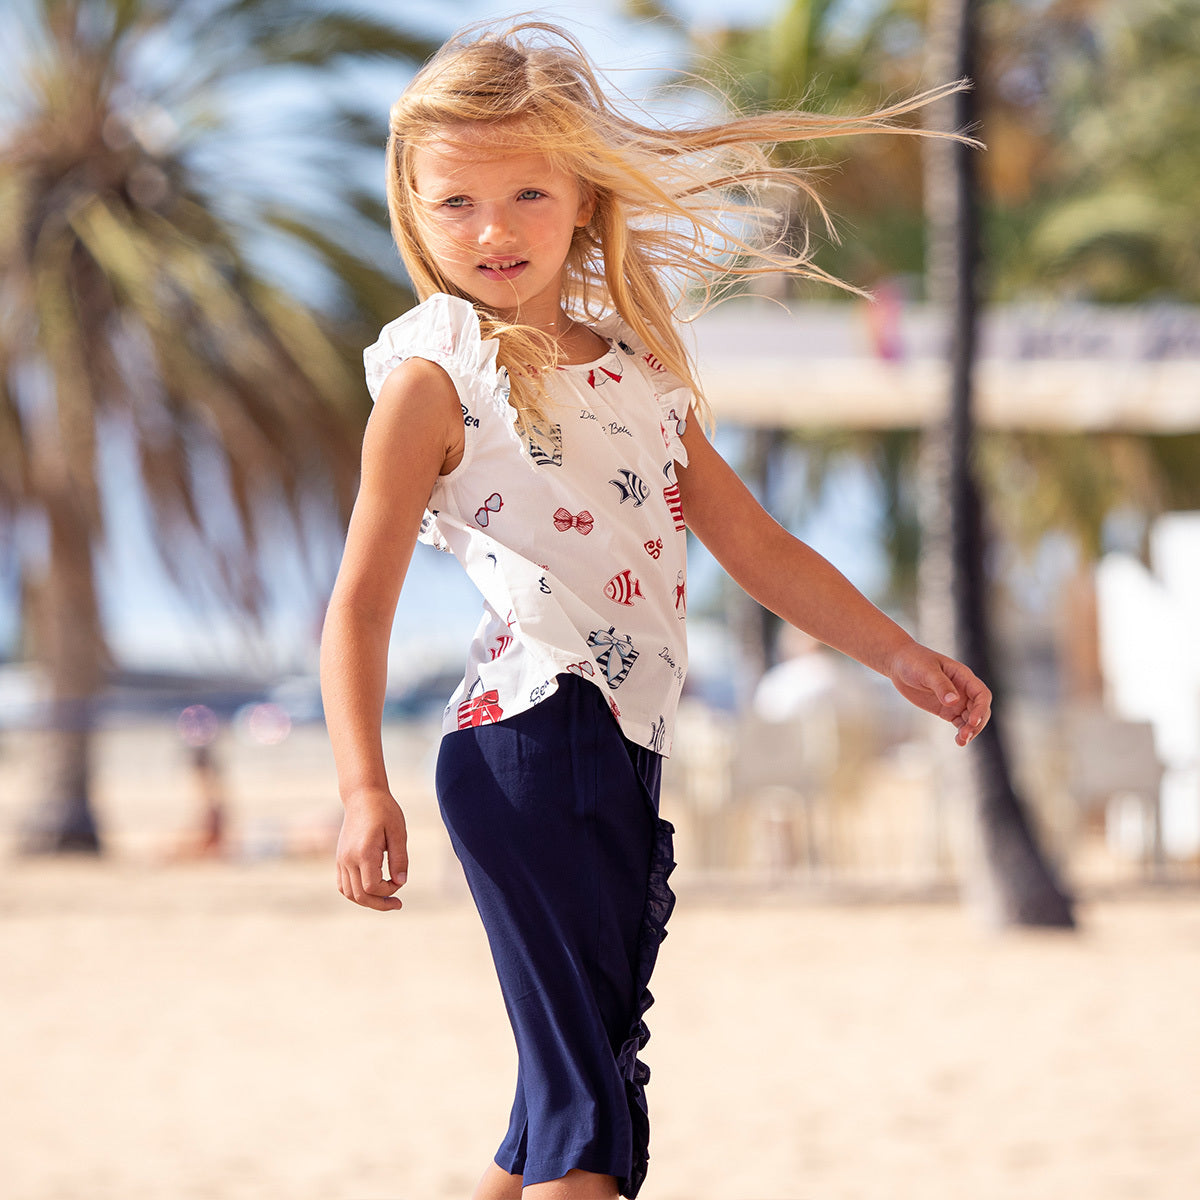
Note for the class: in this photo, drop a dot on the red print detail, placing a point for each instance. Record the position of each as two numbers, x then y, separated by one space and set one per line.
616 712
653 548
680 594
603 371
482 710
502 643
675 504
653 363
563 521
493 504
581 668
622 588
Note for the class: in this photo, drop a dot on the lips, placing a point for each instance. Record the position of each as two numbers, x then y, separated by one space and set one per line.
504 268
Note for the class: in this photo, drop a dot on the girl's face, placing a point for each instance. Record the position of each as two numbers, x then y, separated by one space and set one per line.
498 226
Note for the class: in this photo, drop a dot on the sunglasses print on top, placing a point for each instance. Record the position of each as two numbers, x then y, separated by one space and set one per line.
493 504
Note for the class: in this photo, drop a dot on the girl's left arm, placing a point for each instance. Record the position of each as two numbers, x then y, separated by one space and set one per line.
806 590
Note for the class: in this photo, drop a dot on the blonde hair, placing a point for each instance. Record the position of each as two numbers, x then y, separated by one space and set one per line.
673 206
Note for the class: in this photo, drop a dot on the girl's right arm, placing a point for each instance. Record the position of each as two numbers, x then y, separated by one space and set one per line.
415 433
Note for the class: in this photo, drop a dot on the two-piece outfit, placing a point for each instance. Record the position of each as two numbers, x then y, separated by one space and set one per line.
548 772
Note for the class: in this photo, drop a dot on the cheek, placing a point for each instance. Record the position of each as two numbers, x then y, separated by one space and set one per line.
446 241
554 232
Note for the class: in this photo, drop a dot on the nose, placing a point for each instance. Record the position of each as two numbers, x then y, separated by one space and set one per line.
495 229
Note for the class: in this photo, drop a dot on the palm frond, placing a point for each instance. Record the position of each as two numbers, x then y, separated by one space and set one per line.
131 284
374 290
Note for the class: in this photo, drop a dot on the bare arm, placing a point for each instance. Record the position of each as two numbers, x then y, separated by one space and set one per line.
415 433
802 587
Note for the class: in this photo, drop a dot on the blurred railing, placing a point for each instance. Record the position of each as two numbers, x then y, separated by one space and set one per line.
846 798
841 800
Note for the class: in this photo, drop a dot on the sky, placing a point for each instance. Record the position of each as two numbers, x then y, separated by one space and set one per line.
601 16
152 626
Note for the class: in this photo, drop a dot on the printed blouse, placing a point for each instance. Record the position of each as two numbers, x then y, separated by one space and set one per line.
573 533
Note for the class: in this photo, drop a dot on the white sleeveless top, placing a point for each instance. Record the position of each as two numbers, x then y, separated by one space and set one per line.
573 535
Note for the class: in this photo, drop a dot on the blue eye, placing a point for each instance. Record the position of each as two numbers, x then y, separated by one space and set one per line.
455 202
530 194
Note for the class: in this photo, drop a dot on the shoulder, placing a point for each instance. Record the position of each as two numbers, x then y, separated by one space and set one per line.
417 383
443 330
417 410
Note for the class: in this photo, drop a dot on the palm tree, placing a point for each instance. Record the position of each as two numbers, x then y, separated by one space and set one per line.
1019 886
1121 220
133 305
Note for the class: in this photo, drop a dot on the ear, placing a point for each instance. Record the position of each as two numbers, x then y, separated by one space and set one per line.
587 206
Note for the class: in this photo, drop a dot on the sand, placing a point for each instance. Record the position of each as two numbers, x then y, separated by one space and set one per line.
235 1030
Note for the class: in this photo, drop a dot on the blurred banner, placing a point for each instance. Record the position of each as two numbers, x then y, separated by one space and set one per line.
1042 367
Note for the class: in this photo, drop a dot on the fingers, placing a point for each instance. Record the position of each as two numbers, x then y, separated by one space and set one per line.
373 833
360 878
975 706
946 688
371 890
940 685
397 857
372 883
922 680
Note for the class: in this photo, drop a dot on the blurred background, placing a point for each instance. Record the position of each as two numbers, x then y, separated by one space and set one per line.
1001 448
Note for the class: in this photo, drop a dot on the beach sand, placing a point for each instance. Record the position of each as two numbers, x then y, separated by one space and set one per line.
235 1030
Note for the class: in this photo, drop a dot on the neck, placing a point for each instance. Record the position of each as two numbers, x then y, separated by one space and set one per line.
558 326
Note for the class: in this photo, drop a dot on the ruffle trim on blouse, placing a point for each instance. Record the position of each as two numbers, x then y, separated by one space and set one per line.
673 409
660 900
444 330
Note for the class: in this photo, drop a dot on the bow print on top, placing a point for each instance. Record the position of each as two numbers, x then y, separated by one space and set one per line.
617 656
583 522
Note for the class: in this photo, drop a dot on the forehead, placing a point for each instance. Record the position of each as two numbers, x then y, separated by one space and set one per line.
461 156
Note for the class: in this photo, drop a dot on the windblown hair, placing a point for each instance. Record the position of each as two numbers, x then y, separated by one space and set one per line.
679 213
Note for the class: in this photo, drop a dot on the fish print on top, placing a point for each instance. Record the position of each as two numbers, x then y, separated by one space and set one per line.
573 531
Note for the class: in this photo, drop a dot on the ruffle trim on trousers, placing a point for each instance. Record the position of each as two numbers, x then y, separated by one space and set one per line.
660 900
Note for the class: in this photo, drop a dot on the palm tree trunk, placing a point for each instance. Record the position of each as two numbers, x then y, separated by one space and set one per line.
67 628
1017 884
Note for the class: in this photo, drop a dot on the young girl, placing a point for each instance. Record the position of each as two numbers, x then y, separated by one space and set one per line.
537 416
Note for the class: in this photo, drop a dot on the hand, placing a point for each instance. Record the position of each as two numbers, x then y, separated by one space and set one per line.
942 686
373 824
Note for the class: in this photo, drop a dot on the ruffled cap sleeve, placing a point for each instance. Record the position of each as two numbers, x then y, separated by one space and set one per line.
444 330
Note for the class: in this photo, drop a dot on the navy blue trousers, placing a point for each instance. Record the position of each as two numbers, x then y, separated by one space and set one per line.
553 814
